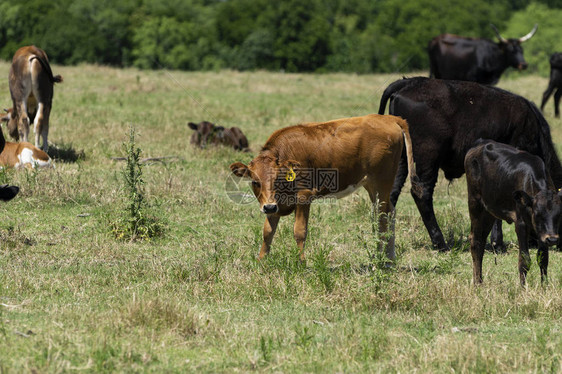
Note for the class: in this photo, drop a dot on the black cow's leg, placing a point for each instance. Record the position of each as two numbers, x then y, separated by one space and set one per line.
542 259
424 203
524 258
399 180
546 94
559 245
496 238
557 96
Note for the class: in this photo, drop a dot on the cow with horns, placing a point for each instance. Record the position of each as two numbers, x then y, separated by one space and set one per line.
475 59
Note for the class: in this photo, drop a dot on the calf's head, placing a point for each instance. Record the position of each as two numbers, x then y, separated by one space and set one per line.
205 132
274 183
543 210
11 119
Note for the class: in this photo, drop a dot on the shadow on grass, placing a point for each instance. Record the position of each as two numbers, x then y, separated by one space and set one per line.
65 153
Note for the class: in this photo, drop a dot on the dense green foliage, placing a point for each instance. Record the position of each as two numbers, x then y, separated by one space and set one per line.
292 35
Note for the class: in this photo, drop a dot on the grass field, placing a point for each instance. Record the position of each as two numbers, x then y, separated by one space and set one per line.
73 298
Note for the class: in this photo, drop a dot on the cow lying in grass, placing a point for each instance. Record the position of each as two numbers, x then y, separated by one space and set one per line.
6 192
301 163
24 155
512 185
207 133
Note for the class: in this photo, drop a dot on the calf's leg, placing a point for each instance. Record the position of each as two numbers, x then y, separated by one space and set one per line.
269 228
481 223
542 259
524 258
380 187
496 238
300 228
23 122
41 126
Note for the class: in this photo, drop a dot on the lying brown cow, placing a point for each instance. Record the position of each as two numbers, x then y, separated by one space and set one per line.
24 155
301 163
31 86
6 192
207 133
512 185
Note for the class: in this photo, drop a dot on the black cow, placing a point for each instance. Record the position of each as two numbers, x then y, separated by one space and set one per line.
474 59
555 83
446 118
512 185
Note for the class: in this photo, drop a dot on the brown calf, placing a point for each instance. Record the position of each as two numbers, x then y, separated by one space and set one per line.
207 133
31 87
301 163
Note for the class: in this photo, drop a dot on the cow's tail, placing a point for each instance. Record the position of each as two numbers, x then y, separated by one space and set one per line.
47 67
391 90
414 180
547 150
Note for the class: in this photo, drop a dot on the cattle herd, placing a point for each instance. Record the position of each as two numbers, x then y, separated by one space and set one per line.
454 121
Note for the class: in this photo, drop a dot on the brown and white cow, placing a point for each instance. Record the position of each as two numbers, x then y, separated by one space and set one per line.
24 155
31 87
301 163
6 192
207 133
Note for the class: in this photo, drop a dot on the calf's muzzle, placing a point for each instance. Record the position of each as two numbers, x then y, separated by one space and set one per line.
270 208
551 240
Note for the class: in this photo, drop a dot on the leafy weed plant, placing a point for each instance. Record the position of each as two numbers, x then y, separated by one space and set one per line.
136 224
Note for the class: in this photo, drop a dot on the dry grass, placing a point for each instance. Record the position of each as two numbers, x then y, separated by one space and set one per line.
75 299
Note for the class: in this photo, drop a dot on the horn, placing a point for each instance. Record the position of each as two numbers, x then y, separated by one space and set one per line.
501 38
6 110
529 35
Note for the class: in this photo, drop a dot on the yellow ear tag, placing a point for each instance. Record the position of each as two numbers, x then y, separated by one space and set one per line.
291 175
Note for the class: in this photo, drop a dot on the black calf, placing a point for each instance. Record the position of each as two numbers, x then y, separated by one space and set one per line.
512 185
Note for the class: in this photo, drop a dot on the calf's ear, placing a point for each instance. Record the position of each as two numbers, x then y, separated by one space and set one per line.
292 164
192 126
7 116
522 198
240 170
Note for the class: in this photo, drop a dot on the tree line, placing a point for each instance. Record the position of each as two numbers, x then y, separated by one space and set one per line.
361 36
